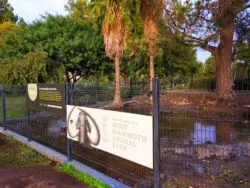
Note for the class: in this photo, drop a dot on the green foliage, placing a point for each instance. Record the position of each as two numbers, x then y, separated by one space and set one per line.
209 67
136 67
94 12
6 13
23 70
7 19
241 64
204 83
74 49
69 169
175 59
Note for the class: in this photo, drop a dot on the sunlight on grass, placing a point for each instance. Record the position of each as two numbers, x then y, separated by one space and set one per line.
69 169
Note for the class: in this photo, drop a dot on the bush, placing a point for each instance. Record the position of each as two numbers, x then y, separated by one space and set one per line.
207 83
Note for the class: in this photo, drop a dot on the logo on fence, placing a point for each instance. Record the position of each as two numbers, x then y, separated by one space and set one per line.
32 91
83 128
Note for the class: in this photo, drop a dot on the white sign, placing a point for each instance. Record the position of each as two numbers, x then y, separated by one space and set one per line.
32 91
126 135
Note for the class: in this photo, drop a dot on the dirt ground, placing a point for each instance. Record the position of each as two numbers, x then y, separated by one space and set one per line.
21 166
34 177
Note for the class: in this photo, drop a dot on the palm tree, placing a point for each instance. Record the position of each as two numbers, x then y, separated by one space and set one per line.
113 29
151 11
118 18
114 37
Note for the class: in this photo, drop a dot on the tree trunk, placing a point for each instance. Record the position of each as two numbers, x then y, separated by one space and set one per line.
223 56
152 71
117 98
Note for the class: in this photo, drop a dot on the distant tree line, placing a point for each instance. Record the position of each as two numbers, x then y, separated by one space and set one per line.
127 40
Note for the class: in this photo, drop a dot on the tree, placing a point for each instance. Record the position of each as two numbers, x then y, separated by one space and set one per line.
241 60
116 19
72 47
114 36
176 59
210 67
241 51
194 68
28 69
7 19
151 12
6 12
211 26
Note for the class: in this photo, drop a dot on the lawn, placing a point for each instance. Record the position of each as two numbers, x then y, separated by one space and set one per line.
19 164
15 107
16 154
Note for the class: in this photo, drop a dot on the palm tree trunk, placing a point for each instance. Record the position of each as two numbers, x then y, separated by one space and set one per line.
152 71
117 98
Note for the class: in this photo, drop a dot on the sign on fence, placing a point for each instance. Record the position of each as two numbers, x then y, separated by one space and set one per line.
49 97
126 135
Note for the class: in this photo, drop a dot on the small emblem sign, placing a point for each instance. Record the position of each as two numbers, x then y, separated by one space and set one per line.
32 91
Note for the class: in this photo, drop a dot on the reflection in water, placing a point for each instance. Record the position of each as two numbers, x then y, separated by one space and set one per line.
181 129
225 132
203 133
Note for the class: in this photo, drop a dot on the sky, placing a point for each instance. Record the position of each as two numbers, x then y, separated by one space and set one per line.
31 10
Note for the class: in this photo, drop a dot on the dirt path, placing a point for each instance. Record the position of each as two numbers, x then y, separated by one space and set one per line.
34 177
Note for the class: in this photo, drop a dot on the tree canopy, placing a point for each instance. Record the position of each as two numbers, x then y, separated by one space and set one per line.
211 25
141 37
72 47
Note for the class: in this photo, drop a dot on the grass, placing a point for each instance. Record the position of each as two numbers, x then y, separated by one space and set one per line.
14 112
13 100
69 169
15 154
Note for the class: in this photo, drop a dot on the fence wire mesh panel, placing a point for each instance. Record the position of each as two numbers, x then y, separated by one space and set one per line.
205 139
15 109
97 96
49 129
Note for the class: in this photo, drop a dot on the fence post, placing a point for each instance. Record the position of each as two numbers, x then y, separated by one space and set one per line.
29 124
3 108
156 135
69 102
29 130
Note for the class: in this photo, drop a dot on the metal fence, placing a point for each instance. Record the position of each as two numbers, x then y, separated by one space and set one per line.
204 139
